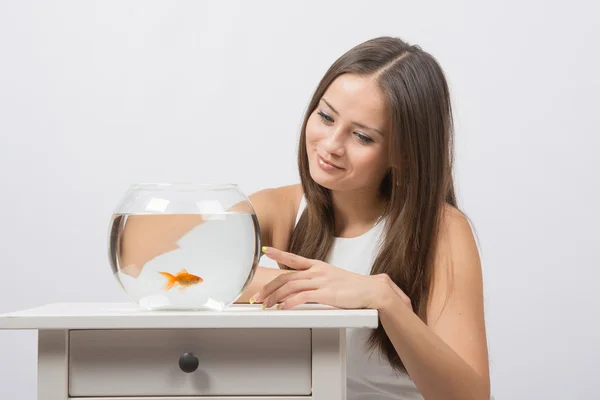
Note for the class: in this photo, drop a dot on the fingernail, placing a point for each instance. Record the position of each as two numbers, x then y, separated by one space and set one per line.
263 307
254 298
278 307
251 301
265 249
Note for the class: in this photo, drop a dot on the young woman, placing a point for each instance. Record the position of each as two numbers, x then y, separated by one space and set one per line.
374 224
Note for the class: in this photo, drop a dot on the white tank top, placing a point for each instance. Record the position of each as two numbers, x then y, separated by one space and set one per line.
369 375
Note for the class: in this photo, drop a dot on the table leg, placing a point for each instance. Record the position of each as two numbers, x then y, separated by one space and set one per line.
53 364
329 364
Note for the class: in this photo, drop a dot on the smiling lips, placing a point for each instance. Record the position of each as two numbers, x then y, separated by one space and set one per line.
327 166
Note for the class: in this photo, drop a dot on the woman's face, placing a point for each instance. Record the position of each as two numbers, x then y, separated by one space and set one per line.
347 135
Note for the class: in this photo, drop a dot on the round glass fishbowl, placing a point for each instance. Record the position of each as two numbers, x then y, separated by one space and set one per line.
184 246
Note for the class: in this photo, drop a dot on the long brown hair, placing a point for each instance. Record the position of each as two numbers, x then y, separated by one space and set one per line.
418 182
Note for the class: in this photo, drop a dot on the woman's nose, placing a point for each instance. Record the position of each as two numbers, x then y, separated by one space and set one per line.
334 143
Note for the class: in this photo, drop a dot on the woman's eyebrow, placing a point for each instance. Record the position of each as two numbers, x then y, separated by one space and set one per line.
355 123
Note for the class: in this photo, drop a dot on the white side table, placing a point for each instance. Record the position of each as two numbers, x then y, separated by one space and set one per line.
116 351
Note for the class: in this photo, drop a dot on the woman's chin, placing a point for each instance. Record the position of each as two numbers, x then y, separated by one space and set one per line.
326 181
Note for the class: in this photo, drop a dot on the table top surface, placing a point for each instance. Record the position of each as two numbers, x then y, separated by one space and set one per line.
130 316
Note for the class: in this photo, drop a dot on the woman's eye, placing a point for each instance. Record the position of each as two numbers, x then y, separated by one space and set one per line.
325 117
363 138
328 120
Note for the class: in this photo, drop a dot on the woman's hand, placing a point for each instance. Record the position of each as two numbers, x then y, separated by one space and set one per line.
314 281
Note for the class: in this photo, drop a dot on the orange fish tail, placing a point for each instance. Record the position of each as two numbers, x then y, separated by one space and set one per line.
170 280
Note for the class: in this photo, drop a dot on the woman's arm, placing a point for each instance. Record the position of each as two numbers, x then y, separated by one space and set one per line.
447 357
269 204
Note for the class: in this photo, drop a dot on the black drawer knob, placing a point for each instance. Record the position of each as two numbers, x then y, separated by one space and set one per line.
188 362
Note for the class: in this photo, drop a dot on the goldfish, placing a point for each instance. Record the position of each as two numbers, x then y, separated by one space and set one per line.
183 278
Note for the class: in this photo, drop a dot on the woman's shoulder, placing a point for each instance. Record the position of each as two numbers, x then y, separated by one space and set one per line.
455 232
276 210
454 222
283 198
457 252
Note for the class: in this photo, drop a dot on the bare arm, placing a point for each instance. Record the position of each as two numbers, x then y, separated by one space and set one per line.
265 203
447 357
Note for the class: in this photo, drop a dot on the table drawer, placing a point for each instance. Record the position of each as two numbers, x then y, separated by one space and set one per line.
242 362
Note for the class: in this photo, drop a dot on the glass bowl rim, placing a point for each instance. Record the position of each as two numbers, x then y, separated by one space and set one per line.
181 185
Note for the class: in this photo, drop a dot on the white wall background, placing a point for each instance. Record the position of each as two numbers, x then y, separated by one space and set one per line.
95 96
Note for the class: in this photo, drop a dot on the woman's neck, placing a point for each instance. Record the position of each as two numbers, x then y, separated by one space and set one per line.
355 212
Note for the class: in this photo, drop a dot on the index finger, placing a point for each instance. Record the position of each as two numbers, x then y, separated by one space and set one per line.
291 260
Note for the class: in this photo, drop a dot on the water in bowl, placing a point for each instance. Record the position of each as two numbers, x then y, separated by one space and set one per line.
184 261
